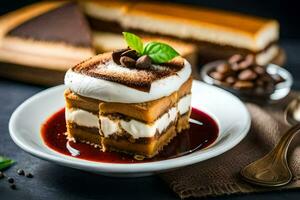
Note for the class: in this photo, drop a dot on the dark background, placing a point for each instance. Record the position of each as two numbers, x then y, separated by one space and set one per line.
56 182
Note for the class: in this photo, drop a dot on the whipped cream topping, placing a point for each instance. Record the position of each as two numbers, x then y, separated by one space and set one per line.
109 91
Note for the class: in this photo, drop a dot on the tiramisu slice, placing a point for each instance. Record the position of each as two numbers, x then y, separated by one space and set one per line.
51 35
132 100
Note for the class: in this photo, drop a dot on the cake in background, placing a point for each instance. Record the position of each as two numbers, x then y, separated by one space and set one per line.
48 35
132 100
218 34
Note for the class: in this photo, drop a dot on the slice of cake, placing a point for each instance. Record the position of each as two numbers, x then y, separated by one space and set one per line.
132 100
218 34
51 35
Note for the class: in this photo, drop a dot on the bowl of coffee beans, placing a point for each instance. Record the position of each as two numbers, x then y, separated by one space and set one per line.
241 76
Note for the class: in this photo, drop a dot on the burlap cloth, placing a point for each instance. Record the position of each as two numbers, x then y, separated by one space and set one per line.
220 175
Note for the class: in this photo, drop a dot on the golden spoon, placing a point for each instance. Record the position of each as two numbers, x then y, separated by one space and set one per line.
272 170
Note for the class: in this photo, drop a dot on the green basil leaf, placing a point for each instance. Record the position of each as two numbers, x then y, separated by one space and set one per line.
5 162
134 42
160 52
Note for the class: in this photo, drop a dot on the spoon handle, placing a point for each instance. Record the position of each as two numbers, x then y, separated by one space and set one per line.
283 144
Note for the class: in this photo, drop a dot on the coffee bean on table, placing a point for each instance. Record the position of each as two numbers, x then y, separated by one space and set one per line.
116 55
10 180
13 186
243 85
247 75
21 172
216 75
29 175
130 53
127 62
144 62
223 68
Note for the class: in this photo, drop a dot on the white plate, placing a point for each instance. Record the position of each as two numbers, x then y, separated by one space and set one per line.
229 112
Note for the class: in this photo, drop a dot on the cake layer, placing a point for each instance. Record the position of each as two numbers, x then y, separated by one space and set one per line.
100 78
146 111
31 52
124 125
83 134
220 27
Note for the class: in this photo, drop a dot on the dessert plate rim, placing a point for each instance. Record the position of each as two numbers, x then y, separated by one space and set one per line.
229 135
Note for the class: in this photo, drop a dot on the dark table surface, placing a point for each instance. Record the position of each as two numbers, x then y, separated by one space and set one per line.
56 182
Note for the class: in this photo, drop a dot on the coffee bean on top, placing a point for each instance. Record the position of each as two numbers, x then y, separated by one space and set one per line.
127 62
144 62
116 55
130 53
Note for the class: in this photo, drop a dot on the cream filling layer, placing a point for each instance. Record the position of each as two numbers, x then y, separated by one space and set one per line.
82 117
138 129
135 128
